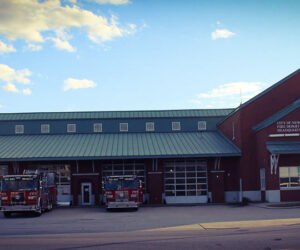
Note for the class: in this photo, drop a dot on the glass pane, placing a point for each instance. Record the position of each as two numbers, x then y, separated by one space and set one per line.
170 193
284 182
201 168
284 172
191 193
168 175
180 193
201 174
294 172
169 187
191 187
180 175
191 180
192 174
180 181
294 182
180 187
190 169
201 193
169 181
201 186
201 180
180 169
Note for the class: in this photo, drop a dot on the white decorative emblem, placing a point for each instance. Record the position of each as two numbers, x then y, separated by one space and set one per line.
274 159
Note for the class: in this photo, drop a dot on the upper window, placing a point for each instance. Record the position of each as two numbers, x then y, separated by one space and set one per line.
176 126
97 127
149 126
19 129
45 128
124 127
201 125
71 128
289 177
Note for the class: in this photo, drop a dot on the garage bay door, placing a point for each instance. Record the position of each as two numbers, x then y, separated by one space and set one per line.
185 181
125 168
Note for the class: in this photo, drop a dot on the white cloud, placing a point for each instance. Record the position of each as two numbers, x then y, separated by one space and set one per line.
229 94
72 83
221 33
115 2
29 19
9 87
8 75
33 47
1 106
234 88
27 91
63 45
4 48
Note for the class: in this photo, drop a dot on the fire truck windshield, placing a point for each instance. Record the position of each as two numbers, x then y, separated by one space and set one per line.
119 184
19 184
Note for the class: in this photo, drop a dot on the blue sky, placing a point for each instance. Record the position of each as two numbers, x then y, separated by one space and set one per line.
143 54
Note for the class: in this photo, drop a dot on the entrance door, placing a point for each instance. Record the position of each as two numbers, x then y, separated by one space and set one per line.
218 195
86 193
155 181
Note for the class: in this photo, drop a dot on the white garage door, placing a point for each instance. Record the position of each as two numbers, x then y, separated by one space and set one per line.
185 181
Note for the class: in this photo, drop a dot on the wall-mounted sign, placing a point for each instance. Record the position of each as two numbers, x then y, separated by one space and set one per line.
288 126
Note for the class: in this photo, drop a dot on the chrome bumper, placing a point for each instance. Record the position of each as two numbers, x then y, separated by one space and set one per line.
120 204
19 208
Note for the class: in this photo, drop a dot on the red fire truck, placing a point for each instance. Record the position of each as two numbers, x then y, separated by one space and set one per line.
34 191
122 191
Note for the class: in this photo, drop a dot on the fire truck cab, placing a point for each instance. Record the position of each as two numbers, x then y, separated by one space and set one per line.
30 192
122 191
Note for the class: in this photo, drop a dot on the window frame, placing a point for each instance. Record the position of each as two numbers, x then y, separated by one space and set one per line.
69 125
19 129
45 126
289 177
95 125
204 128
151 129
173 126
123 124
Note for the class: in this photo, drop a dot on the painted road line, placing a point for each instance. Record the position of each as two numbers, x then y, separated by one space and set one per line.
232 224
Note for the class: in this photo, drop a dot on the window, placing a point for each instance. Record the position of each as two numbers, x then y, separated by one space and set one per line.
175 125
149 126
124 127
97 127
289 177
201 125
19 129
45 128
3 170
71 128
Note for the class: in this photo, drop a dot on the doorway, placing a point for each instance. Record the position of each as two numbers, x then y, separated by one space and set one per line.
218 195
86 193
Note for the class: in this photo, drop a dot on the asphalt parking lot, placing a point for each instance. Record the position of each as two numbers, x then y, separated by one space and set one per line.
166 227
98 220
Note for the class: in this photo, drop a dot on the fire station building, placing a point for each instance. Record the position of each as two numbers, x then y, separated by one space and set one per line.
182 156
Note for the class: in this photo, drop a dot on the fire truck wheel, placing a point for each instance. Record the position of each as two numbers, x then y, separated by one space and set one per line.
39 212
7 214
50 206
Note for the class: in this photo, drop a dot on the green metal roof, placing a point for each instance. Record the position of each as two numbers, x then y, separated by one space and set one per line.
283 112
115 114
112 146
284 147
